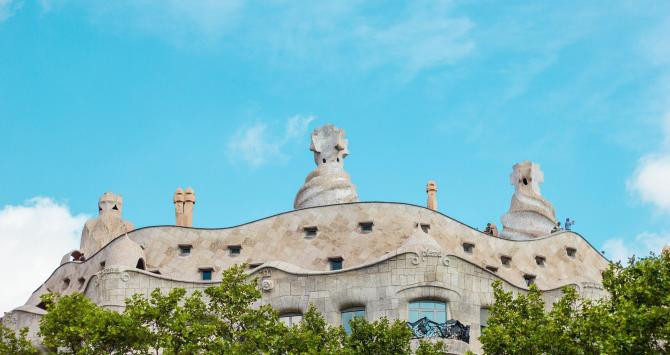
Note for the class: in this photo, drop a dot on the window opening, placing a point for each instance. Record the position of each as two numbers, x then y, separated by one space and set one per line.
433 310
540 260
366 227
310 232
206 274
530 279
491 268
348 314
505 260
335 263
468 247
290 319
185 249
571 251
483 318
234 250
140 264
425 227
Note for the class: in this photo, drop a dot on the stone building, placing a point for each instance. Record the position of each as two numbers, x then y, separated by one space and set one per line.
348 258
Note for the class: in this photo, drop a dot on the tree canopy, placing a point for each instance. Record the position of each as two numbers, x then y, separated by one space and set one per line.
634 319
224 319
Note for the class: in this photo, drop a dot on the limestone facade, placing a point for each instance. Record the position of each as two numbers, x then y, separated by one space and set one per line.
378 258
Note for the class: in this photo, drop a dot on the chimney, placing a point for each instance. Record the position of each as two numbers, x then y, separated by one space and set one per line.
189 201
179 206
431 189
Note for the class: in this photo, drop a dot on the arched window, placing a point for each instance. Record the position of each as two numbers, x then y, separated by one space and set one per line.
349 314
290 319
433 310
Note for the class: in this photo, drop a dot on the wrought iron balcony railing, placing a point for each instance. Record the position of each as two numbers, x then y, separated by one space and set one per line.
451 329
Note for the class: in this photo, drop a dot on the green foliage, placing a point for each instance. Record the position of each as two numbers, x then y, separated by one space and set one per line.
223 320
635 319
73 324
378 337
313 336
433 348
11 344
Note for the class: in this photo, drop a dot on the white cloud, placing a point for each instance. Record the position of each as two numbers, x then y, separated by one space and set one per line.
617 249
8 8
651 179
34 236
257 145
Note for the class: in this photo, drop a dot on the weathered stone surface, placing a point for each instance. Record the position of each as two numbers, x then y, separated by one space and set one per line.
529 215
108 225
328 183
431 191
183 205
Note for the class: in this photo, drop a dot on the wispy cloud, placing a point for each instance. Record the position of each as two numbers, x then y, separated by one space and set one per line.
34 235
343 34
180 22
258 144
426 36
8 8
620 249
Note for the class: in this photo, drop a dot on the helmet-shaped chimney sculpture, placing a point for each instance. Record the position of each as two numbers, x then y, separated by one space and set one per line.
327 184
108 225
530 215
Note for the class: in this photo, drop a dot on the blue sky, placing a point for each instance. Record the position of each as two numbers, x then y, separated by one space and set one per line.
140 97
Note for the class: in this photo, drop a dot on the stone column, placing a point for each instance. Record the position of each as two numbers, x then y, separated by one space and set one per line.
431 190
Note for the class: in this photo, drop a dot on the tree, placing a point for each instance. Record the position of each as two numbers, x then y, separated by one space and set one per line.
11 344
379 337
634 319
226 321
73 324
174 322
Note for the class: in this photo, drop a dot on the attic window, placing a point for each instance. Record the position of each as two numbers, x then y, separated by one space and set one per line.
335 262
530 279
234 250
571 251
310 232
468 247
505 260
491 268
425 227
66 283
185 249
366 227
42 305
102 264
206 273
540 260
81 281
